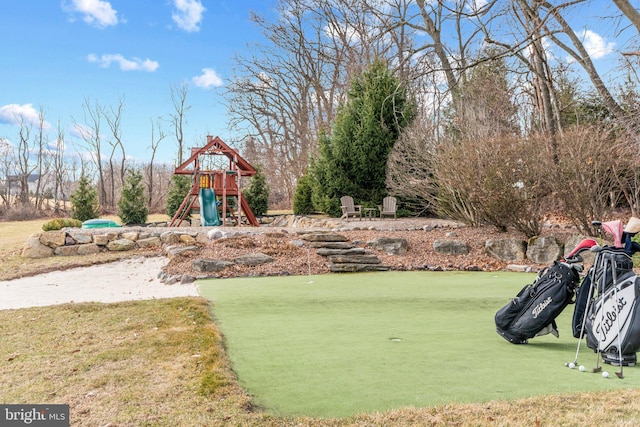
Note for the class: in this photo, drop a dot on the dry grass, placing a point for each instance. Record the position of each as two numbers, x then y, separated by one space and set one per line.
162 363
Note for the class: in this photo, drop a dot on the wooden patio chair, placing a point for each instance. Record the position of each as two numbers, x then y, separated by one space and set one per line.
388 207
349 209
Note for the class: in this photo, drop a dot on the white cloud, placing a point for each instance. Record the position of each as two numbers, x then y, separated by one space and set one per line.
208 79
134 64
188 14
596 46
94 12
15 114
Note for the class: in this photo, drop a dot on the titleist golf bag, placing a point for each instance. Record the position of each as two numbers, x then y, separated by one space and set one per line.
534 310
607 307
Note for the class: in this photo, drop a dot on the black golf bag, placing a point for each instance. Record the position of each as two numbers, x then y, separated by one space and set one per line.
611 318
534 310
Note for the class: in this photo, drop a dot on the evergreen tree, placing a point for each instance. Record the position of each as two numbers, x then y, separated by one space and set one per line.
257 193
84 201
132 206
302 199
178 190
353 160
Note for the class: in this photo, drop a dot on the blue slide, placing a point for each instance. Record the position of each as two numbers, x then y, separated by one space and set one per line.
208 208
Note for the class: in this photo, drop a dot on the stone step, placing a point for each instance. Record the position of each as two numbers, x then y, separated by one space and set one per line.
349 251
354 267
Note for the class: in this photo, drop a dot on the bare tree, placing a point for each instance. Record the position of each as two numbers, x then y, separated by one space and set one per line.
90 133
25 166
59 171
178 118
157 135
113 118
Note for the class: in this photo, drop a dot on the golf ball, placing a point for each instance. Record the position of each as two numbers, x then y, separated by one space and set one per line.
572 365
605 374
582 368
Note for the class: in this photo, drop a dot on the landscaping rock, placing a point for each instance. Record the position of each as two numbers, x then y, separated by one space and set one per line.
88 249
331 245
354 259
121 245
80 237
173 251
450 247
354 268
150 242
324 237
506 249
390 246
35 249
350 251
66 250
253 259
130 235
544 250
53 239
208 265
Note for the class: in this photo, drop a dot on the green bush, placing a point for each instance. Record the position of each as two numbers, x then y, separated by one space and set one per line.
302 201
60 223
257 193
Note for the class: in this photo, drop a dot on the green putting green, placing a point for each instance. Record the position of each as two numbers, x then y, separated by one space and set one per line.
340 344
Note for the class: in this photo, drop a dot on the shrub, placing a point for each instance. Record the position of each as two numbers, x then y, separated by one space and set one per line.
257 193
132 207
84 201
302 202
60 223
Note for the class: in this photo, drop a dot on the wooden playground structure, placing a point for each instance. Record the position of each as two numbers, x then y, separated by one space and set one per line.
209 185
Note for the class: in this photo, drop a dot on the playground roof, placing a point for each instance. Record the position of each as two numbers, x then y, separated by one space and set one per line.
215 146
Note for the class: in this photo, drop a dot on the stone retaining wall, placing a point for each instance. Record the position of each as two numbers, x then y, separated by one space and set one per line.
78 241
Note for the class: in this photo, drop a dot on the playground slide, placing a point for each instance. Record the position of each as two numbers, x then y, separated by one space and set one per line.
208 208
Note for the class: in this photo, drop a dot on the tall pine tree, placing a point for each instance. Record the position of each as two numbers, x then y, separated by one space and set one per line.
132 206
84 201
353 160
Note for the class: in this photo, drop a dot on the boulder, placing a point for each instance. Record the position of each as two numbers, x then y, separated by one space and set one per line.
324 237
354 259
185 238
350 251
214 234
354 267
101 239
130 235
88 249
174 251
80 237
203 265
35 249
506 249
331 245
544 249
390 246
253 259
450 247
149 242
120 245
170 237
66 250
53 239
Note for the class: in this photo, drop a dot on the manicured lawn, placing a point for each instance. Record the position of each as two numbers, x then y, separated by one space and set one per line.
353 343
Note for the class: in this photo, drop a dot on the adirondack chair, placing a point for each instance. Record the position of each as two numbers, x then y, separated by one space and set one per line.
388 207
349 209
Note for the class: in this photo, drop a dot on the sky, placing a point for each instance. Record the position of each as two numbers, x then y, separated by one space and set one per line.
55 55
